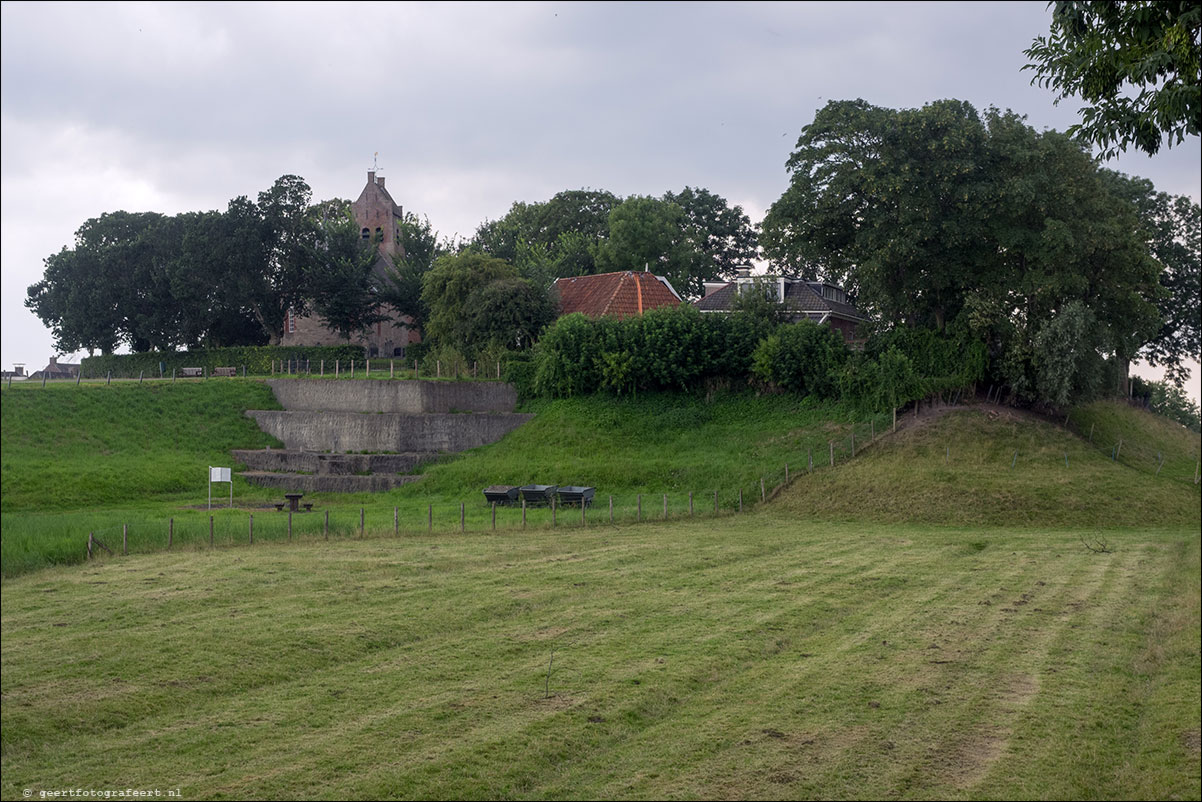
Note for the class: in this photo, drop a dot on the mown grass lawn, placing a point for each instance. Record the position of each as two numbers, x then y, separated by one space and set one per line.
761 656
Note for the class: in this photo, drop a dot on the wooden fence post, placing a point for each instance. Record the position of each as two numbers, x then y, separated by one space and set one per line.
665 506
832 445
690 503
740 499
611 509
853 441
763 492
494 516
391 368
430 518
1118 450
124 539
639 513
786 473
170 531
524 512
396 522
89 545
715 502
461 518
289 526
360 522
895 420
552 511
583 505
326 529
210 531
252 529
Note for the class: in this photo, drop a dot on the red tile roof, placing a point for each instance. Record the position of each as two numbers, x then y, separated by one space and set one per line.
622 294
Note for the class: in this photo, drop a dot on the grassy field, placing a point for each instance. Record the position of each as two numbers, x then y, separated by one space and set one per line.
984 605
757 657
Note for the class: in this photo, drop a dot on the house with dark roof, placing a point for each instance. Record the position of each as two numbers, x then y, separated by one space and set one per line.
56 370
623 294
825 304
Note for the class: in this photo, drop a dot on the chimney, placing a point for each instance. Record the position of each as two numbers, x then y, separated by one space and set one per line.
371 176
743 272
53 361
380 181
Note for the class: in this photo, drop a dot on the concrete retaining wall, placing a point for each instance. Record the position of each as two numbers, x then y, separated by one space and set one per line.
356 431
305 483
393 396
289 461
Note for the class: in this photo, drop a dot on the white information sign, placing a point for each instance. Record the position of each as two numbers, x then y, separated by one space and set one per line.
220 475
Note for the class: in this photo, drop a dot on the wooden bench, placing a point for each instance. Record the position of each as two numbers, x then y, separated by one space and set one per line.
308 507
224 372
279 507
192 373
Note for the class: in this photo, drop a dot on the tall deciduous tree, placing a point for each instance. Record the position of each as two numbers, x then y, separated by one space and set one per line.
936 217
1137 64
400 285
341 278
447 287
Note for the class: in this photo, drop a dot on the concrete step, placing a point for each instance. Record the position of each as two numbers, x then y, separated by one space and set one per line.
386 432
315 483
296 461
410 397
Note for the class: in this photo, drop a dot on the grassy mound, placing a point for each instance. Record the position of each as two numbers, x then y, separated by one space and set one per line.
980 466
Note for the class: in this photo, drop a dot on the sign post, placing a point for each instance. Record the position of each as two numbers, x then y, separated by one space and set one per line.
220 475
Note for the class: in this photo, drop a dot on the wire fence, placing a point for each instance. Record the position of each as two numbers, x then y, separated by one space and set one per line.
306 368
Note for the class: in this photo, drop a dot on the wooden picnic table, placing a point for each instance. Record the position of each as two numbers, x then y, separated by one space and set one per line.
294 501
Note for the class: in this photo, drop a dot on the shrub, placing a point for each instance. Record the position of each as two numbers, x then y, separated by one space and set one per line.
802 357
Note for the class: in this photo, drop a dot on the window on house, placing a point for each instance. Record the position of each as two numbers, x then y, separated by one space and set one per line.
291 322
365 233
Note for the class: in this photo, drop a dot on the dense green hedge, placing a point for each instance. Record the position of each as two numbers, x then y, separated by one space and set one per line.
665 349
256 359
680 348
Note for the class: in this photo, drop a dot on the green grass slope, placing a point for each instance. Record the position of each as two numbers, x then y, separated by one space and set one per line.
67 447
982 466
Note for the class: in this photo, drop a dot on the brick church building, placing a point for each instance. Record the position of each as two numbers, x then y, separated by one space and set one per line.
377 214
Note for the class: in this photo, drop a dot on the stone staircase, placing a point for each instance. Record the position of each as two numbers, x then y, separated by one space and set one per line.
370 435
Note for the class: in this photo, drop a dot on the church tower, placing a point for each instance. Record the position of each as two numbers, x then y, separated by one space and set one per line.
379 215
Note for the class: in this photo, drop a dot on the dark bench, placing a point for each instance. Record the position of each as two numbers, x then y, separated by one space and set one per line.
279 507
192 373
224 372
308 507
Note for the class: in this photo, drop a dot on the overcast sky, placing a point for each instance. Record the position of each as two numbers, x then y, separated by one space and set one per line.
181 107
